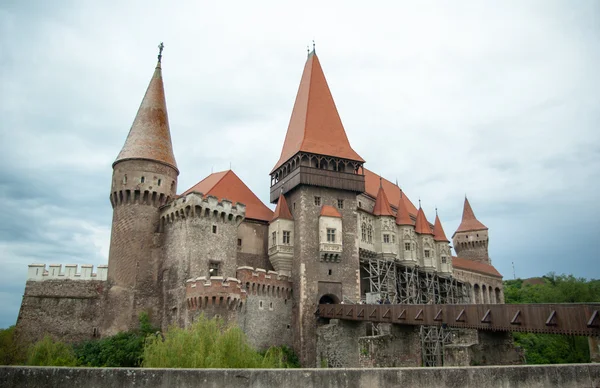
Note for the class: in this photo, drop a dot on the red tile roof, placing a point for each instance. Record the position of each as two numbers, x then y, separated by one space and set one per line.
227 185
438 230
469 221
282 210
372 183
330 211
149 137
422 225
402 216
474 266
382 205
315 125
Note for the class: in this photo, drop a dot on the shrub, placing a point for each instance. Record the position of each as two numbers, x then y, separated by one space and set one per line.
48 352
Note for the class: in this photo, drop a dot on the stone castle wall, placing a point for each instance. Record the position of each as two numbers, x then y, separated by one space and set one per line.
493 285
253 251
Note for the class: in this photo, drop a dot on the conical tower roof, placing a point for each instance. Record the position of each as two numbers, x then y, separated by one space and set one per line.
403 217
438 230
150 137
315 125
469 221
382 205
282 210
422 225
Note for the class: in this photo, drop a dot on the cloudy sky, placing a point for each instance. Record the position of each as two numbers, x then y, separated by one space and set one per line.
498 100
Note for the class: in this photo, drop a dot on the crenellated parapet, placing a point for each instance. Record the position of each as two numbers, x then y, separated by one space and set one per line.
214 292
38 272
258 281
196 205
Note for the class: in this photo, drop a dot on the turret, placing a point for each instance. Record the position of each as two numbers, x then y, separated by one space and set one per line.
385 226
442 248
144 178
471 238
425 243
406 234
281 238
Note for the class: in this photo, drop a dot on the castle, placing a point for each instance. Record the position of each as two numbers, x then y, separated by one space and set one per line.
340 233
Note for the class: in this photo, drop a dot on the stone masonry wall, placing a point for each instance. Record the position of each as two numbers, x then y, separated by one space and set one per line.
496 295
309 273
400 346
68 310
253 251
338 343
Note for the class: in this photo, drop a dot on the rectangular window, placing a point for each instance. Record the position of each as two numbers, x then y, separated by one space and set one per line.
340 203
317 201
359 204
286 237
407 246
214 229
443 259
214 268
330 235
386 238
239 242
274 238
393 238
426 252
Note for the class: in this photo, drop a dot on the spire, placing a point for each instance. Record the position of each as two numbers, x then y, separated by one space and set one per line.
315 125
149 137
282 210
438 230
422 225
382 205
469 221
403 217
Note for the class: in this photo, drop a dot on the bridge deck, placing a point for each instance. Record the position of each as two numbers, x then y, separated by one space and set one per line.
572 319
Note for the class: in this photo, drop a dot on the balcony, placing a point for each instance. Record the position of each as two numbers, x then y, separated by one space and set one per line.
330 252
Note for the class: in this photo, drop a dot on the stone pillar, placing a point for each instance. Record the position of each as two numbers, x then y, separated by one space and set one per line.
594 344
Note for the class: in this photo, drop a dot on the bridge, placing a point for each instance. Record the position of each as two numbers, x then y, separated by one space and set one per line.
569 319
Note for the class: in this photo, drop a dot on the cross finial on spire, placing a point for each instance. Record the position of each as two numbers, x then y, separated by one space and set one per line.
161 46
380 182
313 45
419 202
436 211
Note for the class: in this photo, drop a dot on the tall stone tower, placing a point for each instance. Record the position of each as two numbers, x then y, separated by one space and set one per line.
471 238
320 175
144 178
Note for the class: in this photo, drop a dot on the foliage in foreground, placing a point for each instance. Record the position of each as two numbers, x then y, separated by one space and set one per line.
210 343
10 352
550 348
48 352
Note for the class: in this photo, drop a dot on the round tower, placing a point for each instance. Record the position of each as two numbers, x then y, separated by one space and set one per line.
471 238
144 178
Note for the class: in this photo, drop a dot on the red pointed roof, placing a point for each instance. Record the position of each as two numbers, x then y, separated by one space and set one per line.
475 266
330 211
469 221
227 185
282 210
150 137
382 205
422 225
372 183
402 216
315 125
438 230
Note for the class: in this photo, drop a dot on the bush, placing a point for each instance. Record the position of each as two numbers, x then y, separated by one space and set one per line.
208 343
10 352
48 352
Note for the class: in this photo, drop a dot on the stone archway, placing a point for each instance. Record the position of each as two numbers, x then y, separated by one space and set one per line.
329 299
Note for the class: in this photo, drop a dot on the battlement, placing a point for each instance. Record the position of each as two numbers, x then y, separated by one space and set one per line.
38 272
138 197
258 281
216 291
196 204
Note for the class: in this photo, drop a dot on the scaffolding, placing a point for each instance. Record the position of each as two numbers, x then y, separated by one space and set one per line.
433 341
412 285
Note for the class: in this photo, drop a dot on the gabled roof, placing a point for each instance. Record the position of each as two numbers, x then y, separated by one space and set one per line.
469 221
475 266
372 183
330 211
438 230
422 225
382 205
150 137
282 210
227 185
315 125
402 216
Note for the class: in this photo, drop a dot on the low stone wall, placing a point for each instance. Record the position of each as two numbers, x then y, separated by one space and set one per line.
564 376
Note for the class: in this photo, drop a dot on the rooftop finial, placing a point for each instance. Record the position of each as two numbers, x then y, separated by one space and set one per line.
161 46
419 202
313 46
436 211
400 193
380 182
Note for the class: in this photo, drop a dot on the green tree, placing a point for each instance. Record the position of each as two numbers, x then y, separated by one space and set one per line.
10 351
48 352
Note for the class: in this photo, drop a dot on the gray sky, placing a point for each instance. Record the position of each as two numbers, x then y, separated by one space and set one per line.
498 100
